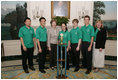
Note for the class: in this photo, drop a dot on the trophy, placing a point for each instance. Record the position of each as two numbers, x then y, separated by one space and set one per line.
61 38
61 75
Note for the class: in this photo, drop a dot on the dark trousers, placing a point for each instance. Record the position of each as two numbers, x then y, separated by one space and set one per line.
87 55
63 53
42 55
53 53
75 55
27 55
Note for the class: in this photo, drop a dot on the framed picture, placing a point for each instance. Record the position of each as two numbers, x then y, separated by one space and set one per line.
13 14
60 8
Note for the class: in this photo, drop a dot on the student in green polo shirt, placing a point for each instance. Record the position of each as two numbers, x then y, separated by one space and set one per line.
27 38
41 36
87 42
66 39
75 35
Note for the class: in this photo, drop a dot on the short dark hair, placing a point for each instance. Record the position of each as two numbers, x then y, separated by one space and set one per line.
87 17
27 18
42 18
75 20
64 23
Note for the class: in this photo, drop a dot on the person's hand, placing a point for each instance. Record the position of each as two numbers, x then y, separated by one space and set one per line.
24 48
34 47
89 48
40 50
49 49
77 49
67 49
100 49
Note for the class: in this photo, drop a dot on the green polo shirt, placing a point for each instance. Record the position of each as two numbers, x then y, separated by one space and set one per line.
75 34
95 34
27 35
87 33
66 36
41 34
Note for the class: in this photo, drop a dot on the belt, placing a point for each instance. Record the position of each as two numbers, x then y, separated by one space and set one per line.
74 43
42 41
85 42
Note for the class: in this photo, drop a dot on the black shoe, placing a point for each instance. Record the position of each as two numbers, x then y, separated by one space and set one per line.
42 71
76 69
83 66
26 71
88 71
32 68
67 68
46 67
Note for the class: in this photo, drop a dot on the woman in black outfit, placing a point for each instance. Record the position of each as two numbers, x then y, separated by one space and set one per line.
99 46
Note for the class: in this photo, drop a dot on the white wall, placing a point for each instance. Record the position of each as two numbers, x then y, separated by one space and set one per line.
75 7
42 5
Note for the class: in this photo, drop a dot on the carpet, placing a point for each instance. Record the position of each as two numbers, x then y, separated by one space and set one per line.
16 72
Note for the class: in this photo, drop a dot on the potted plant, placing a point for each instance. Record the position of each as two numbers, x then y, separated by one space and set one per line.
60 20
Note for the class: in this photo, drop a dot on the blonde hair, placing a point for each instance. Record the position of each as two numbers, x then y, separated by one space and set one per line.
100 22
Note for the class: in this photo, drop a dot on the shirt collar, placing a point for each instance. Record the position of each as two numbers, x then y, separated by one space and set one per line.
27 28
87 26
98 29
75 28
42 27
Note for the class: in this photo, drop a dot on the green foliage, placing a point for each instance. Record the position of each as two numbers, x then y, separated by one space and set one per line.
111 38
16 19
60 20
98 10
11 18
25 5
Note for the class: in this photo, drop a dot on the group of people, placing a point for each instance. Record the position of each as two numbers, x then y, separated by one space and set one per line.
87 39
